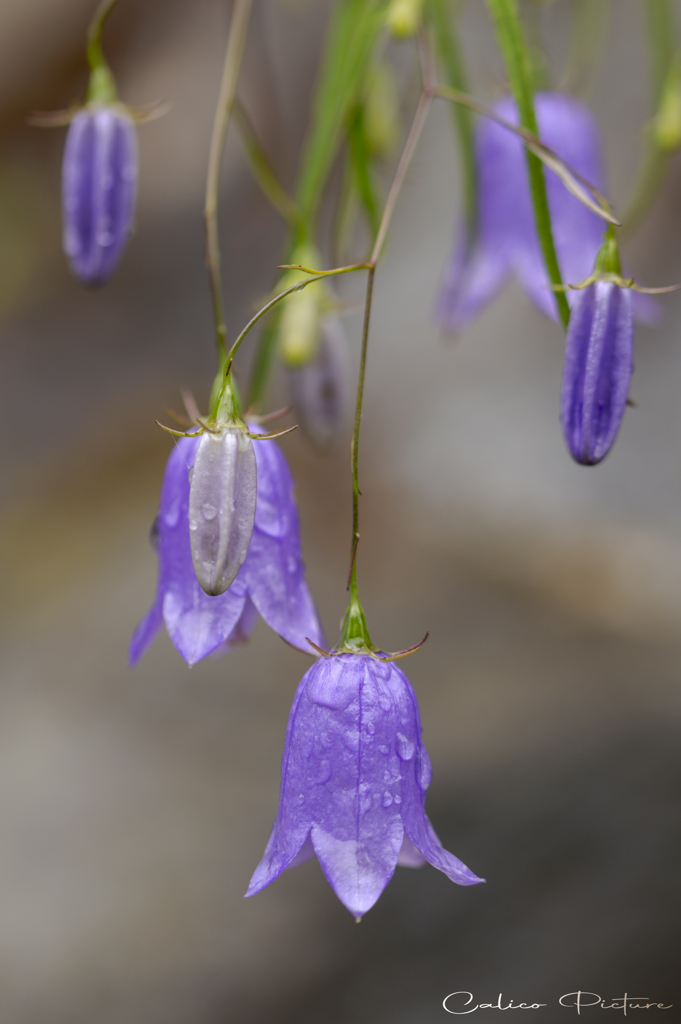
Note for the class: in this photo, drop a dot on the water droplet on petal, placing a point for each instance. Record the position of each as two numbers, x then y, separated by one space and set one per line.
398 798
209 511
405 747
383 749
425 770
387 799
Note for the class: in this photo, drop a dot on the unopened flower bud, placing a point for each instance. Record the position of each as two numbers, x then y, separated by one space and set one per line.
221 506
381 110
300 327
318 388
403 18
666 125
598 368
99 184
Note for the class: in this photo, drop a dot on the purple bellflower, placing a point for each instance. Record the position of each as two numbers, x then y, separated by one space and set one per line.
99 184
353 780
506 239
271 580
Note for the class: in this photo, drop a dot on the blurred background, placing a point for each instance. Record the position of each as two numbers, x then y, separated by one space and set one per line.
135 804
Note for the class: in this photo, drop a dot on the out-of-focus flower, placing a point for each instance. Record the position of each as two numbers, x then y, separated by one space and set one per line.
301 319
506 238
666 125
271 581
319 388
403 18
381 110
222 500
598 368
99 185
354 777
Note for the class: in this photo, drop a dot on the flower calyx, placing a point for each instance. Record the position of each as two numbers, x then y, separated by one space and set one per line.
608 268
355 639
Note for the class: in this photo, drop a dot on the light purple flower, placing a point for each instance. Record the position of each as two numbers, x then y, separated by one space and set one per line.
506 239
99 184
353 781
271 581
598 368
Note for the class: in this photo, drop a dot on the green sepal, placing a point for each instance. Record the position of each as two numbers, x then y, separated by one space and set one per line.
101 88
608 258
354 638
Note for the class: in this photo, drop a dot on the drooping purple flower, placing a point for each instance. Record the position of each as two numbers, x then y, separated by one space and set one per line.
506 240
598 368
99 185
271 580
353 780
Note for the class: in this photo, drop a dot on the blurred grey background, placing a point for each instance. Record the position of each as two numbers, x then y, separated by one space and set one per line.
134 805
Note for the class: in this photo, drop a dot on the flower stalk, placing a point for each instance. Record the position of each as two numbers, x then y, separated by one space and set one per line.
101 87
504 14
226 100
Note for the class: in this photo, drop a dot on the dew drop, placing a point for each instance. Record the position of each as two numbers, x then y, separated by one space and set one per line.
398 798
387 799
405 747
385 704
383 749
425 770
371 728
208 511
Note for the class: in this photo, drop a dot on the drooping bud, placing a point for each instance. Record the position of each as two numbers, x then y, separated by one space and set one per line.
403 18
381 110
99 185
666 126
318 388
598 368
300 327
222 500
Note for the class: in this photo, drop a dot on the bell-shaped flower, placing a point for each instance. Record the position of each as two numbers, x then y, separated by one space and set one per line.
598 368
505 238
222 498
353 782
99 185
271 580
319 387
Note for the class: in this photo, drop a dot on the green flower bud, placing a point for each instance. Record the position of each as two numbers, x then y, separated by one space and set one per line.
381 110
301 319
403 18
666 125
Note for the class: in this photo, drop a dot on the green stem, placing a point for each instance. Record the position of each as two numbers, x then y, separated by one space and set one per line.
660 23
230 78
504 14
95 56
452 62
661 37
261 169
101 86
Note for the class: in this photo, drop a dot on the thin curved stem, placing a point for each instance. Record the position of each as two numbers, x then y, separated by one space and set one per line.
228 87
95 57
